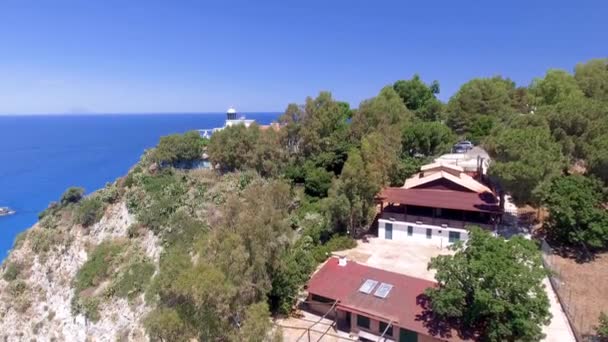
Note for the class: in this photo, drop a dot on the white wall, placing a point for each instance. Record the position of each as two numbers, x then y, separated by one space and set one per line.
440 235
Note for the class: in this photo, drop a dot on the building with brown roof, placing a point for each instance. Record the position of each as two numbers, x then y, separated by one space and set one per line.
437 205
371 303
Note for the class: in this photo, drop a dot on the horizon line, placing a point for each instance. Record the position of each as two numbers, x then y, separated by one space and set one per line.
132 113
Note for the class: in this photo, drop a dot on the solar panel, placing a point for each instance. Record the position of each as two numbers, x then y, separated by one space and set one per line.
368 286
383 290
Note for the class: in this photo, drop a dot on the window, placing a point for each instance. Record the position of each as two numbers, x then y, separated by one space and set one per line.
389 331
363 321
454 236
429 233
410 230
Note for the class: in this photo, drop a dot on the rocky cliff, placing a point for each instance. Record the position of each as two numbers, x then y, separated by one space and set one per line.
36 284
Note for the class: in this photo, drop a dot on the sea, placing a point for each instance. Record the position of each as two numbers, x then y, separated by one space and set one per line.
42 155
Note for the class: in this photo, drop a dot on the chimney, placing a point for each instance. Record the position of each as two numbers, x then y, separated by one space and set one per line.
342 261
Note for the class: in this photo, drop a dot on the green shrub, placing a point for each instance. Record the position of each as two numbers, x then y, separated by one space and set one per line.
602 328
43 240
12 270
133 279
18 291
99 265
50 210
165 325
110 194
20 239
336 243
89 211
17 288
89 306
72 195
49 221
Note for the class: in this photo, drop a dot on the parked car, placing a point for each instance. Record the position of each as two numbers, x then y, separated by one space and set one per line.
466 143
462 146
459 149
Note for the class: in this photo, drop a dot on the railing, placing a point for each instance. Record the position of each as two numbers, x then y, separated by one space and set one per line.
434 221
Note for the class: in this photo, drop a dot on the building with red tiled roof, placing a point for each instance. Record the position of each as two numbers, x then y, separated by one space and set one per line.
436 206
372 303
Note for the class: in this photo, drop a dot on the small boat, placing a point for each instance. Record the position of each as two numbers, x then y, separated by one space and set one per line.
5 211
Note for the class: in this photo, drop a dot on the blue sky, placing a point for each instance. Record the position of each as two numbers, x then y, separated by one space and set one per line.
60 56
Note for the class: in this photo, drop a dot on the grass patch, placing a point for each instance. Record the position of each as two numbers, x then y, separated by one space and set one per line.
133 279
12 271
99 265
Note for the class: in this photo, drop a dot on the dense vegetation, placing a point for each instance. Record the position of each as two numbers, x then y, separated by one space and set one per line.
297 192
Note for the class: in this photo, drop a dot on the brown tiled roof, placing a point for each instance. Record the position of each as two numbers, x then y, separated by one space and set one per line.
446 199
403 305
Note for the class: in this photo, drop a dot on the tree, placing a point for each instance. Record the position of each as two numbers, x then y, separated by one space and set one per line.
481 97
72 195
577 215
492 287
524 159
557 86
481 128
379 113
602 328
427 138
380 152
247 148
574 123
592 78
597 155
351 197
323 134
257 323
317 181
177 148
420 98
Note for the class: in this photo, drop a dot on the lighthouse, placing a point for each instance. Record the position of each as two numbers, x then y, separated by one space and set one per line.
232 119
231 114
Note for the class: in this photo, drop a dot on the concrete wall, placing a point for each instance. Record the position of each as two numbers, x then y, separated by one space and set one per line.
439 236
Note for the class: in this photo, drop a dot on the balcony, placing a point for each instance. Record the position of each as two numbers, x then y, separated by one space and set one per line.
433 221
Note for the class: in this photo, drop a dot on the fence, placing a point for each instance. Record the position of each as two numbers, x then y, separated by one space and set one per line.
581 324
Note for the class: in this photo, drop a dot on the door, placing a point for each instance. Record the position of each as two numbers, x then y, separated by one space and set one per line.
454 236
348 324
429 233
388 231
407 336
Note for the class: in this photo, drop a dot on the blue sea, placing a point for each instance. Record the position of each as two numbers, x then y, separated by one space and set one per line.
42 155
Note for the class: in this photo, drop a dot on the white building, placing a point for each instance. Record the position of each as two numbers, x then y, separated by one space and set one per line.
436 206
232 119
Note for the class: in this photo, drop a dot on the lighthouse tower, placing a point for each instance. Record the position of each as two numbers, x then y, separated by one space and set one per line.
231 114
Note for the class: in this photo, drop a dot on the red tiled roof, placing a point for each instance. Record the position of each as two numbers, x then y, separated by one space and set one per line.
342 283
446 199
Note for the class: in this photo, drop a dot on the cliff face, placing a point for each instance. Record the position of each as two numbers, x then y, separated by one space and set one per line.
36 283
